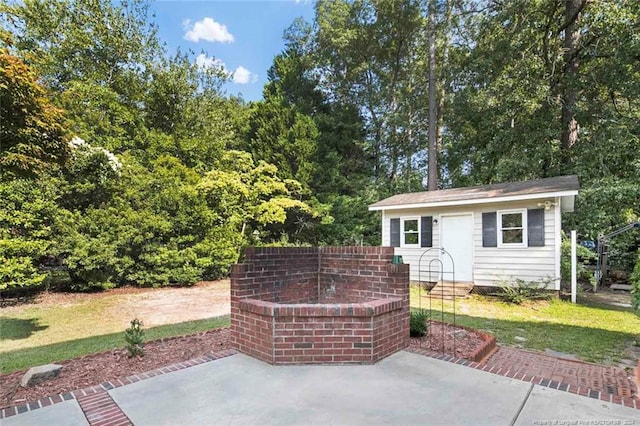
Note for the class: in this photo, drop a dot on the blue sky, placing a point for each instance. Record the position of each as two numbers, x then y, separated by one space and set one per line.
242 36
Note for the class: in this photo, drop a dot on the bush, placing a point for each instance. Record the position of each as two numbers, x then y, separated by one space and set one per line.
584 256
418 323
522 290
17 265
634 280
134 336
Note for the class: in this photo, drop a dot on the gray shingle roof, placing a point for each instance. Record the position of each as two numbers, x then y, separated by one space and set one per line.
499 190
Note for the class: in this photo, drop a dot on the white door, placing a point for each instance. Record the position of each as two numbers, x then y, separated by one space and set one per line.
456 237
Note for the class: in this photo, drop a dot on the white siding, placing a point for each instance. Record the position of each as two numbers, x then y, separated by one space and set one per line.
492 265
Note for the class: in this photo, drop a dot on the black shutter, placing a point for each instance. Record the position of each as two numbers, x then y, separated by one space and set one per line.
395 232
535 227
426 231
489 230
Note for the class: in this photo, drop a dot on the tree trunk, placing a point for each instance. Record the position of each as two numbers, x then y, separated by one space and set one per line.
432 182
445 60
570 126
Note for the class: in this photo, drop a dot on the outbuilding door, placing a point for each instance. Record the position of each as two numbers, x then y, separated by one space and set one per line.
456 237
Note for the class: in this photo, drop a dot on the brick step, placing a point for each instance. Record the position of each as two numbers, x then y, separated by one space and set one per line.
449 290
446 293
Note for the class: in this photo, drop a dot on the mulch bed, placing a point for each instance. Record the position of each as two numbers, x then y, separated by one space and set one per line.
89 370
460 342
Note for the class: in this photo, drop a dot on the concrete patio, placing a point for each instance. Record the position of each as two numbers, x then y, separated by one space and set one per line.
404 388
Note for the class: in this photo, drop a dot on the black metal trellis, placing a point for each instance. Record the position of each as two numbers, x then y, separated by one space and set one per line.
436 267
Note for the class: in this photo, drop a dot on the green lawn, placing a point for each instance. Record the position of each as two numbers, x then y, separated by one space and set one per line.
37 334
590 331
19 359
60 326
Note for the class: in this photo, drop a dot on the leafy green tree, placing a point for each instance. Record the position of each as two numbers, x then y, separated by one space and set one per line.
27 224
282 135
189 117
32 135
248 196
368 54
87 40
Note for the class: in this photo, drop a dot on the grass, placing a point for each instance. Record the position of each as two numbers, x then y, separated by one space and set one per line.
61 326
590 331
42 333
43 324
19 359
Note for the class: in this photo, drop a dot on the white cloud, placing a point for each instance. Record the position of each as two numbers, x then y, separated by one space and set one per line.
243 76
208 30
204 61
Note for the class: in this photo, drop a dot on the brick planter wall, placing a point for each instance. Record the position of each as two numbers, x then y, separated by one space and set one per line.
363 314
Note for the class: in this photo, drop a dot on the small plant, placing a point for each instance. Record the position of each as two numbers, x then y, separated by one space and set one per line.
134 336
417 323
522 290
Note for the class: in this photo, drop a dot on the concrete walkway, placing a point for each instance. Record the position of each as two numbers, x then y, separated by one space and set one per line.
402 389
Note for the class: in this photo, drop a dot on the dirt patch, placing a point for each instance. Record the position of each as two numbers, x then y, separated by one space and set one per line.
79 373
206 299
157 306
606 296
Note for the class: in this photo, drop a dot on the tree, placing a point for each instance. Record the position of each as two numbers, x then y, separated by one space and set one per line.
340 169
368 54
32 132
280 134
248 196
87 40
433 109
570 126
188 115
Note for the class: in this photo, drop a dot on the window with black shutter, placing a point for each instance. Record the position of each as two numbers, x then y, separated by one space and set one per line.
426 231
535 227
395 232
489 230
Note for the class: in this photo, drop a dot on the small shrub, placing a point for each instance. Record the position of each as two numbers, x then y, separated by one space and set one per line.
521 290
134 337
418 323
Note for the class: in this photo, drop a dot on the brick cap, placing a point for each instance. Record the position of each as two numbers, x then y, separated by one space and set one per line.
363 309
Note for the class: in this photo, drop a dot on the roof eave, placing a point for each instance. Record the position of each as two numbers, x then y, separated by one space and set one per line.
522 197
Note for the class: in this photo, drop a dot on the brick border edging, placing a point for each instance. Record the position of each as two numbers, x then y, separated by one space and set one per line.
486 348
536 380
116 383
100 409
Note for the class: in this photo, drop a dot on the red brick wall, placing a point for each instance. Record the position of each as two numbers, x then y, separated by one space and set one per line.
252 334
271 318
320 333
323 340
390 333
358 274
277 274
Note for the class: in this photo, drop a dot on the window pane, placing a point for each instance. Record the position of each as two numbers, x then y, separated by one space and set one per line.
512 220
411 225
512 236
411 238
